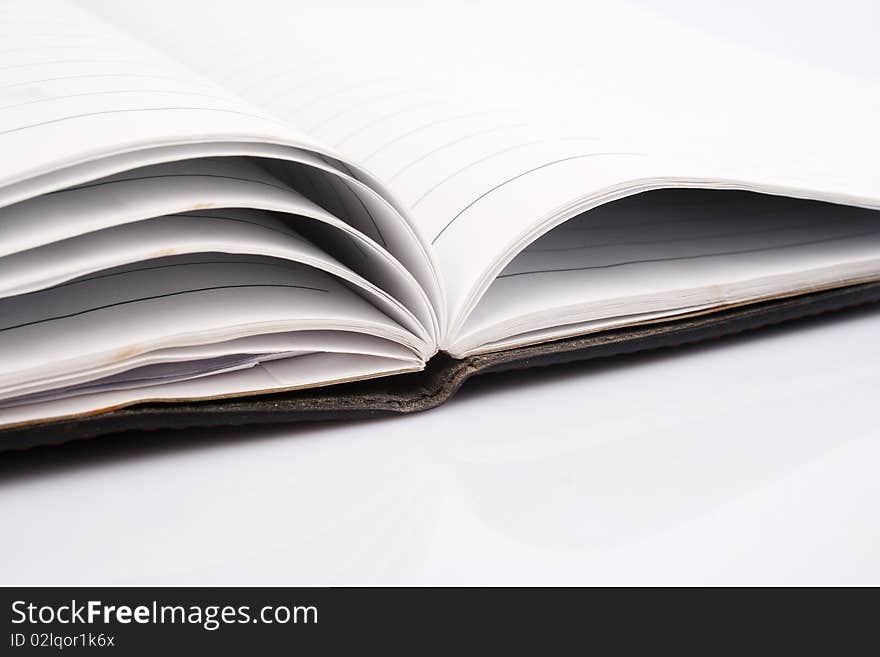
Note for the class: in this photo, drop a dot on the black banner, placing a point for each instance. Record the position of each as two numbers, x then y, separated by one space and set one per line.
151 621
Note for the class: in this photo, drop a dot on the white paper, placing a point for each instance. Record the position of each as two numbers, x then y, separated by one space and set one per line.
667 253
117 316
440 154
275 376
503 120
184 363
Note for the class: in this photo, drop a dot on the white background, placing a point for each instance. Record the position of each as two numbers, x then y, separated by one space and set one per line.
749 460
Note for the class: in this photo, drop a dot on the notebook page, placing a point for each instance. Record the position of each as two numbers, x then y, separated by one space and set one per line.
494 121
104 320
184 187
273 376
73 88
228 231
671 252
180 363
78 97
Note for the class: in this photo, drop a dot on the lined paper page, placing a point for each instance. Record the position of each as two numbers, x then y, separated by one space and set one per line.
77 93
272 376
180 363
226 231
57 220
489 120
102 321
72 88
667 252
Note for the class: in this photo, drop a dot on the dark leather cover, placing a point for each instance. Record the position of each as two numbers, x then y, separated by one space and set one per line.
421 391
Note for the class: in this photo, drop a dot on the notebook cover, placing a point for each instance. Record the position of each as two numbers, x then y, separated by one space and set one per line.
409 393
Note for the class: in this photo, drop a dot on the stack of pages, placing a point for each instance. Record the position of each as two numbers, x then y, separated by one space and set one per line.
203 200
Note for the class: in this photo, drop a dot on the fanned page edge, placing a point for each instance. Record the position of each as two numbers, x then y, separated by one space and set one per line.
481 203
614 173
409 393
613 178
135 130
131 135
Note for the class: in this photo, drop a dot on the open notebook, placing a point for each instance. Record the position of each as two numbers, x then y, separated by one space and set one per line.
212 211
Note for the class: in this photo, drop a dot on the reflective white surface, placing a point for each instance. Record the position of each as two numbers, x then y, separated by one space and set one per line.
749 460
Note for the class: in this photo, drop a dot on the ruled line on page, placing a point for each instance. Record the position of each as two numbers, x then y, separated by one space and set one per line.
280 82
31 21
359 105
336 181
504 151
266 59
55 35
286 230
520 175
102 183
585 227
697 256
108 36
261 84
391 115
581 224
674 240
59 78
280 187
801 223
90 46
351 189
427 126
306 174
131 270
65 62
159 296
460 140
112 92
327 95
140 109
274 99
